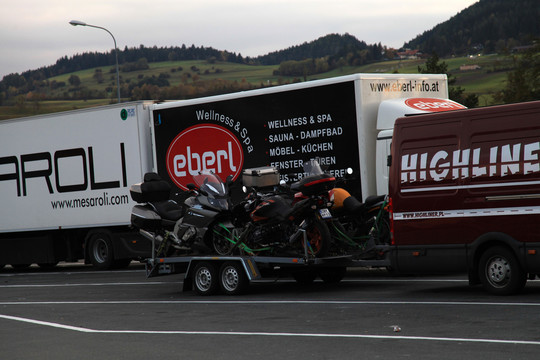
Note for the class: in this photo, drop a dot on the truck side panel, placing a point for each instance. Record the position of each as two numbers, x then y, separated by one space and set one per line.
65 177
277 129
69 170
334 119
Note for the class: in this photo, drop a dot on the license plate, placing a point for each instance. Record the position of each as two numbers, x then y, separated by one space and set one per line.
325 213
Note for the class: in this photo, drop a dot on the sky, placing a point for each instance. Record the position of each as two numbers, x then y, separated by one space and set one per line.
36 33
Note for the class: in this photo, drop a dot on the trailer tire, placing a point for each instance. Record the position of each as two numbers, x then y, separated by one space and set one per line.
205 279
500 272
232 278
100 251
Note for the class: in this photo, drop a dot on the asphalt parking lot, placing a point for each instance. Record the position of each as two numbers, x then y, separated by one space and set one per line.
74 312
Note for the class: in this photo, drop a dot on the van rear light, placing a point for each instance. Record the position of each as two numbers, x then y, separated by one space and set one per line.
390 209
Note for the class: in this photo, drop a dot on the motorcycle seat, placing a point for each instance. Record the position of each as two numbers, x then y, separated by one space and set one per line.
351 204
168 210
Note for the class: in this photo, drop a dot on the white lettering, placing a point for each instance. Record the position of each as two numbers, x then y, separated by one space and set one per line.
439 174
207 161
504 160
528 157
460 164
179 163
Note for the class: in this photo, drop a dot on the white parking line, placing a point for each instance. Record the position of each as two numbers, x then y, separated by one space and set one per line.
270 302
86 284
275 334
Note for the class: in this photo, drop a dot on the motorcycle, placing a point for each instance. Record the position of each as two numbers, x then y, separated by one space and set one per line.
272 224
174 228
356 227
362 228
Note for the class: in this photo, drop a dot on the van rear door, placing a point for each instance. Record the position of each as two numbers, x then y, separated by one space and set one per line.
424 190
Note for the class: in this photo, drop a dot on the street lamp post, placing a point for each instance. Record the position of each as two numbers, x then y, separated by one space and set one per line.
77 22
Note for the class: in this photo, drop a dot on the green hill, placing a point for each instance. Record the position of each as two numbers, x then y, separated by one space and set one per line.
188 79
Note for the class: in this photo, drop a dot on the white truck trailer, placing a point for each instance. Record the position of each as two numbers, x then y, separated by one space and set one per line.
345 121
64 185
64 178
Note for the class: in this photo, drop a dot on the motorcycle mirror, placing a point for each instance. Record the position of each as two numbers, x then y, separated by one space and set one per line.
244 189
229 180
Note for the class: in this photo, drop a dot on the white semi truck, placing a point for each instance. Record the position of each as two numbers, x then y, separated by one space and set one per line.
65 177
64 185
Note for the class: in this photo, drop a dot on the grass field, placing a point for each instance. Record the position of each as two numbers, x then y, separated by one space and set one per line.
485 81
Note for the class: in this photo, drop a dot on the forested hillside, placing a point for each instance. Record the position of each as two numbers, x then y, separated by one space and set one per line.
179 72
487 26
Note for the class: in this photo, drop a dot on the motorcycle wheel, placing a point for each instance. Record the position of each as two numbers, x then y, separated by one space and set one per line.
318 237
220 240
383 230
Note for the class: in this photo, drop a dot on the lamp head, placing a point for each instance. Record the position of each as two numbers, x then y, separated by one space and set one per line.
77 22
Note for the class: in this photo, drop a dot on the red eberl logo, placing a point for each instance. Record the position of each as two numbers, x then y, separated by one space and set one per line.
204 147
433 105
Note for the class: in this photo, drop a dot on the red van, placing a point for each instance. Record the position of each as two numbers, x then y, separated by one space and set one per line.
465 194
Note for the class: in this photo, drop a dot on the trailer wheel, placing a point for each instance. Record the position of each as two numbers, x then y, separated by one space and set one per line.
205 279
332 275
233 278
500 272
100 251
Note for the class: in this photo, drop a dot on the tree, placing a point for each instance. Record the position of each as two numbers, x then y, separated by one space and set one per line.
74 81
98 75
523 84
456 93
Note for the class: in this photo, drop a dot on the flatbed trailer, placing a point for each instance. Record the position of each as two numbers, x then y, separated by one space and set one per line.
207 275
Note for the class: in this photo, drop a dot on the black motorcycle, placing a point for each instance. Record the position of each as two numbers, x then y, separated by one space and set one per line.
273 224
359 228
177 229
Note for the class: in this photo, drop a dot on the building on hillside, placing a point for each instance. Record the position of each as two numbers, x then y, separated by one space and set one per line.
469 67
409 54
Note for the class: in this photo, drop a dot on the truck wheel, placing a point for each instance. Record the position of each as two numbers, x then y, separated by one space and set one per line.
500 272
318 237
205 279
332 275
233 278
100 251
